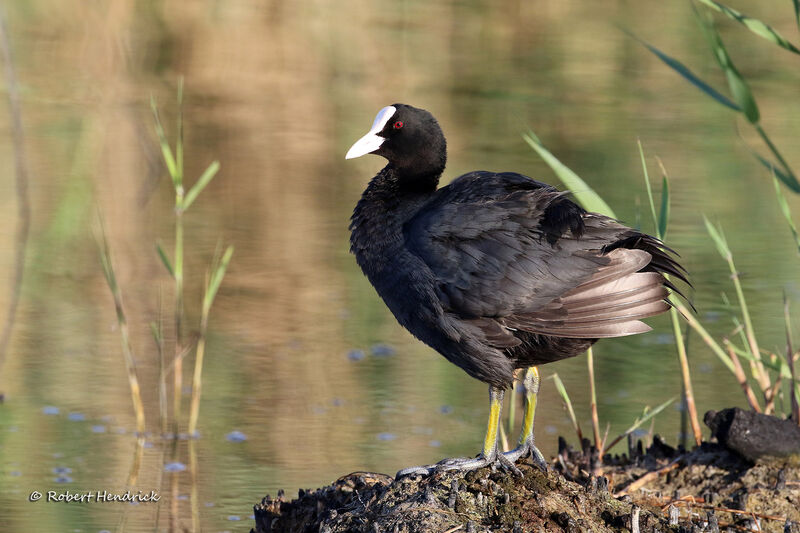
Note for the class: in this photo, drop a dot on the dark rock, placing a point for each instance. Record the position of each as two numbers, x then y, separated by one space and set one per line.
754 435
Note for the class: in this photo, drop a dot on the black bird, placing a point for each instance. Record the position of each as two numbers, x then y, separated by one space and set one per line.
496 271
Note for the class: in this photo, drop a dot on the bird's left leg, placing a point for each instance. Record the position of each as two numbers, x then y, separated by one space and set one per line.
525 444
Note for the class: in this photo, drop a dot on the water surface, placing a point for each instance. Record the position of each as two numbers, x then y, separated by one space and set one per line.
307 375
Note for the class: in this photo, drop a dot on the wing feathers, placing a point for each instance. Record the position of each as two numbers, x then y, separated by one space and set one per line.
610 304
507 253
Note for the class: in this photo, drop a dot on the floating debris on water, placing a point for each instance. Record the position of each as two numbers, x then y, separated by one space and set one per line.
62 470
382 350
174 467
63 479
99 428
76 417
236 436
446 409
50 410
337 402
660 338
435 443
356 355
234 518
386 436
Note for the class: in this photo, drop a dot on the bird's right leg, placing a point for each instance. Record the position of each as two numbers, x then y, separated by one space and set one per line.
489 454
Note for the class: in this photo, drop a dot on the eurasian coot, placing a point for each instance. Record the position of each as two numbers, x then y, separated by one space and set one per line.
496 271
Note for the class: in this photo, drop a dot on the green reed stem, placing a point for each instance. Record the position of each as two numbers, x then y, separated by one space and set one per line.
157 330
793 385
595 418
177 383
758 369
212 286
127 350
686 375
661 221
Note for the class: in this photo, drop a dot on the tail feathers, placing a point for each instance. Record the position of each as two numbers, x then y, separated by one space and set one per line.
661 254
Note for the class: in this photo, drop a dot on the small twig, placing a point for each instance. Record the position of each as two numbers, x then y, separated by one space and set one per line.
648 477
457 528
697 503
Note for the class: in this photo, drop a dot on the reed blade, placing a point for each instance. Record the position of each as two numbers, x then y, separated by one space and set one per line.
164 259
663 215
688 75
198 187
647 415
585 195
562 391
166 150
797 12
763 30
739 88
787 213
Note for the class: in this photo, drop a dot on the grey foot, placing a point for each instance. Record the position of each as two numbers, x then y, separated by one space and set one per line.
463 464
524 449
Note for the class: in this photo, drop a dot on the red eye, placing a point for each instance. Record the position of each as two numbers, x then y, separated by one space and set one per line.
397 125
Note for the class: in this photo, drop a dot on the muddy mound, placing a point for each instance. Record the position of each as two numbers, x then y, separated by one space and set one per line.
710 488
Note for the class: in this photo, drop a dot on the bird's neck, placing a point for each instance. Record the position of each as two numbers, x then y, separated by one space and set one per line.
395 188
388 202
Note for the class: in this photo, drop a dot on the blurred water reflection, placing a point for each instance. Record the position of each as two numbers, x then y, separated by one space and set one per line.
303 358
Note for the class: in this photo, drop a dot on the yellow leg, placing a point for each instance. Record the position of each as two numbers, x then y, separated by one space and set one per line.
495 408
531 384
526 445
487 457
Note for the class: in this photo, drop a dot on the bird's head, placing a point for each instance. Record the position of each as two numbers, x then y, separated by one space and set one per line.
409 138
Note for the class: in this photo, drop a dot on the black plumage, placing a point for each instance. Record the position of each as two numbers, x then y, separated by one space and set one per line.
496 271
